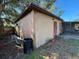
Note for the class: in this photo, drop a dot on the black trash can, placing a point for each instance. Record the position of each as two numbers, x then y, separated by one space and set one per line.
28 45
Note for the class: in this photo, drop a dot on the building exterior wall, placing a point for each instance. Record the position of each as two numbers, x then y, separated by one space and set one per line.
26 25
43 28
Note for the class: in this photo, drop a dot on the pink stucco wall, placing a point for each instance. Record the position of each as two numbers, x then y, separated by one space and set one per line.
26 25
43 28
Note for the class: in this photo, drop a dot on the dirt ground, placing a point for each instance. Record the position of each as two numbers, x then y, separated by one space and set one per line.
60 49
9 49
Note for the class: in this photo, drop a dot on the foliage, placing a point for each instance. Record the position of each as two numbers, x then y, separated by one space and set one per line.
8 9
11 9
34 55
8 24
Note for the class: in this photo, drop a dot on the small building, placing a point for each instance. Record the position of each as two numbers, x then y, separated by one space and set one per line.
71 27
39 24
76 26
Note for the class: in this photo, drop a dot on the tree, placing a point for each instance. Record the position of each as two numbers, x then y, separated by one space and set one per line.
46 4
9 8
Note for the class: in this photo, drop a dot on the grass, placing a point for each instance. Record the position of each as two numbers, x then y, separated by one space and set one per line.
33 55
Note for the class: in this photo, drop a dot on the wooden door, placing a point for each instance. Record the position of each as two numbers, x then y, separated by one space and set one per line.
55 28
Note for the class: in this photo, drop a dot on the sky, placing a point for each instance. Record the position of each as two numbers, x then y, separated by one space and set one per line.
70 8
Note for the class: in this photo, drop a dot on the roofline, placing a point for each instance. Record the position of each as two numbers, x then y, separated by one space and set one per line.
37 8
